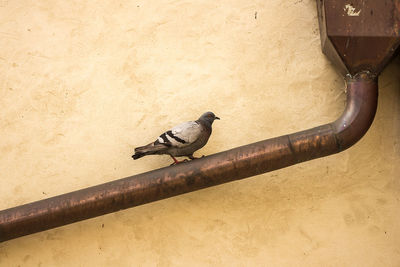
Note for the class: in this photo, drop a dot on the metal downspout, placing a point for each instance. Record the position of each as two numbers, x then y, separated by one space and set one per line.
360 45
234 164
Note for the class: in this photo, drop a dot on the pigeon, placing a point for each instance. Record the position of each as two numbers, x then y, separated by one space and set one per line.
182 140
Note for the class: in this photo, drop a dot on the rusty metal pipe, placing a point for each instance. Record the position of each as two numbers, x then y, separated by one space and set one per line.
234 164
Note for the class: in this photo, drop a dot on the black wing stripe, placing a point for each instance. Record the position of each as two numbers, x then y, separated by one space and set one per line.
165 141
165 138
170 134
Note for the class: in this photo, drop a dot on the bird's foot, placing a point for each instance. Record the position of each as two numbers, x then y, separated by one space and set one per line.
177 161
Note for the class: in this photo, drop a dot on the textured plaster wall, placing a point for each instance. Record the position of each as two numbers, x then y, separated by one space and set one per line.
84 82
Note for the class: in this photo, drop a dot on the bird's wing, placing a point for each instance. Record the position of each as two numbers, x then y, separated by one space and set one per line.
181 135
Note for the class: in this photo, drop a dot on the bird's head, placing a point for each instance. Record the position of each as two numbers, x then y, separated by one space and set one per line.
209 117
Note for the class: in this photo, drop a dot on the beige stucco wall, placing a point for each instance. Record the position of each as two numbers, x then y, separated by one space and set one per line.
82 83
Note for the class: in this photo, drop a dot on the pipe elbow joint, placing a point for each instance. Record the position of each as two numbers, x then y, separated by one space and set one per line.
362 99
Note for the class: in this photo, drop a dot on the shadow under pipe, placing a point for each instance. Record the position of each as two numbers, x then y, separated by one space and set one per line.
223 167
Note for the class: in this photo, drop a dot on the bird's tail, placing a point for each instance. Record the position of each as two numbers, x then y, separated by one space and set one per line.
149 149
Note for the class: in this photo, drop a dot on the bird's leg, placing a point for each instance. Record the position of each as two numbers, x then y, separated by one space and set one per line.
177 161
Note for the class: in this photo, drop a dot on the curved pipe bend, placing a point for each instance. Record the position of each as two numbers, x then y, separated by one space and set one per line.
362 100
234 164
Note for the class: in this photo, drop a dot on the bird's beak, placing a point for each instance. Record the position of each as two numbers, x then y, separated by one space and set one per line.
217 118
